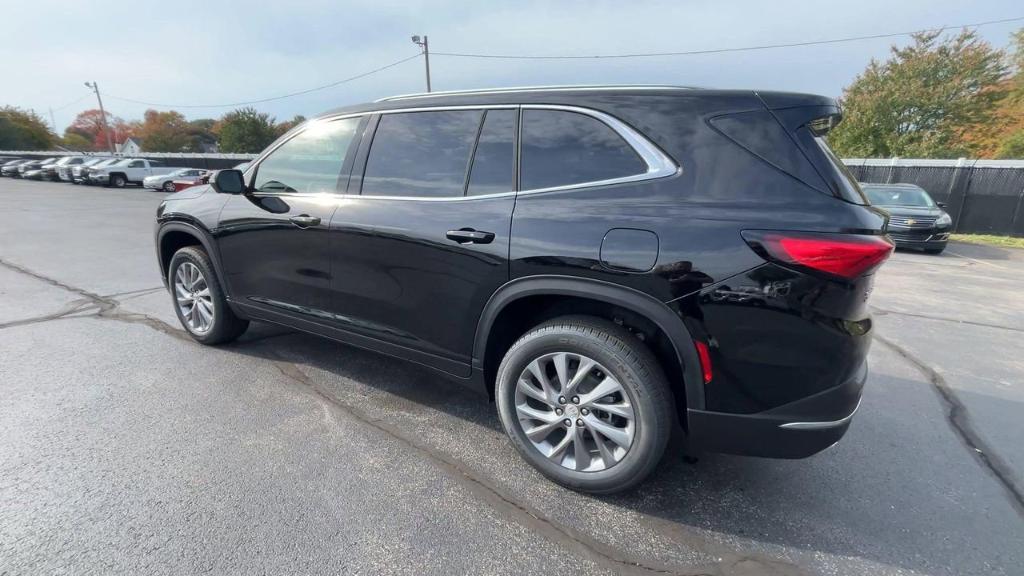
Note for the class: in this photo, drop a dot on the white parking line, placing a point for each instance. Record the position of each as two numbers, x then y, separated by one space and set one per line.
948 251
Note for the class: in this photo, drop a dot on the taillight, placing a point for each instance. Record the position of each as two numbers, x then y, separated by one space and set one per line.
704 355
847 256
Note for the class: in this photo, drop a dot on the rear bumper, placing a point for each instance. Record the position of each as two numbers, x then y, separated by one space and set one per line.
795 430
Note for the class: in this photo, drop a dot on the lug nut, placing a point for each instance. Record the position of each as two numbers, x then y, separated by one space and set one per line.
575 399
584 411
558 411
579 421
561 399
567 422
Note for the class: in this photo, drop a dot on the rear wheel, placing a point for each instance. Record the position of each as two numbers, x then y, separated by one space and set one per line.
199 300
168 186
585 403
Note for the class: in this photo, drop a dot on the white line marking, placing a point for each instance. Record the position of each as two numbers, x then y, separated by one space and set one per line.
948 251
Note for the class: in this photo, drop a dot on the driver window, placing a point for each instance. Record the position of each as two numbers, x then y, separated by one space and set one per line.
311 161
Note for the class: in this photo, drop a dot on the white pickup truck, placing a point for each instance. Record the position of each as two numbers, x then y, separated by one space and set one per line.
128 171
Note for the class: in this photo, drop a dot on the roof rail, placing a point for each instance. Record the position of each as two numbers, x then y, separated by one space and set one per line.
569 87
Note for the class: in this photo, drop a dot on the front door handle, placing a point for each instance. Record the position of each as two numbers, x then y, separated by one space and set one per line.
470 236
305 220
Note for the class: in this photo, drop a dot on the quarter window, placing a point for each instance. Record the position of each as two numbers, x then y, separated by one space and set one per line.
311 161
422 154
562 148
494 163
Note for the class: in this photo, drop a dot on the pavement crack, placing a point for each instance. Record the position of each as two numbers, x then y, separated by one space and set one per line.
528 516
885 312
68 309
961 424
100 301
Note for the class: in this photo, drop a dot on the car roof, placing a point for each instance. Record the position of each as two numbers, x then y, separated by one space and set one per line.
567 94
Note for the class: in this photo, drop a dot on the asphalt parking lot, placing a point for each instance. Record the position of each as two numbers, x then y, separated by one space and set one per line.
127 448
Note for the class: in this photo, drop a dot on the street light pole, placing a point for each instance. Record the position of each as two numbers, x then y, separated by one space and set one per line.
426 55
103 113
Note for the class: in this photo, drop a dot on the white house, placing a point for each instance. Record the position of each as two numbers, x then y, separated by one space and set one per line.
129 147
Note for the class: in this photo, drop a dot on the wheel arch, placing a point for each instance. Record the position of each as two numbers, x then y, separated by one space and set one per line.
585 289
175 235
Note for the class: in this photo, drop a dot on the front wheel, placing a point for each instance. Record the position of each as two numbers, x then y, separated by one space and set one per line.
118 181
585 403
199 301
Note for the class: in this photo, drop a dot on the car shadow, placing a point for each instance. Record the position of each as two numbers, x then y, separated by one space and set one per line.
875 496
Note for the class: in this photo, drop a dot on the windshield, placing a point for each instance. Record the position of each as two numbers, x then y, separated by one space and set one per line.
885 196
124 162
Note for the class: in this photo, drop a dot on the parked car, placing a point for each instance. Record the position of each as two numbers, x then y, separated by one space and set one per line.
128 171
10 168
555 250
915 219
166 181
62 171
31 166
80 174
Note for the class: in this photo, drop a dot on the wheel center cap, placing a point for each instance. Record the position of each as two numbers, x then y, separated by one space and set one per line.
572 411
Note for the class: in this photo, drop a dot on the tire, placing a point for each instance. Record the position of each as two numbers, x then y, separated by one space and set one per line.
222 325
118 181
168 186
934 250
620 358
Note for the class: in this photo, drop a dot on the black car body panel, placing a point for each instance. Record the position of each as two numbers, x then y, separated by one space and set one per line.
429 279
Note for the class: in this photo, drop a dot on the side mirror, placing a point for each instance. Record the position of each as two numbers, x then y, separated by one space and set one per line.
228 182
940 204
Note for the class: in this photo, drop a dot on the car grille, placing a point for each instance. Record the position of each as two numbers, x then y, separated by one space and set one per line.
912 222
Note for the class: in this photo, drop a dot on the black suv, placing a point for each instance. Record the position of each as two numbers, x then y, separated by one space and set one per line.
606 263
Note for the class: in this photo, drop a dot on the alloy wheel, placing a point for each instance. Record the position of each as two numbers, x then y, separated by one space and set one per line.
192 294
574 412
169 186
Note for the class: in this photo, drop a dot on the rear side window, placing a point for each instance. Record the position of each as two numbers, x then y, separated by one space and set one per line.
562 148
421 154
494 163
310 162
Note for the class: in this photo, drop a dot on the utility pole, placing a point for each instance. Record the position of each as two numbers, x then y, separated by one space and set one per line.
53 122
426 55
103 113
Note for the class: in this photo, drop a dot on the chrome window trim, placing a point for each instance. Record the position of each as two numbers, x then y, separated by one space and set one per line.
659 165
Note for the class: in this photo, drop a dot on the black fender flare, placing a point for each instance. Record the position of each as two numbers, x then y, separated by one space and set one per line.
205 239
638 302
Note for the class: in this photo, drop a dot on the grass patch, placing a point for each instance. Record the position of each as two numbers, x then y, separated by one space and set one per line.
989 240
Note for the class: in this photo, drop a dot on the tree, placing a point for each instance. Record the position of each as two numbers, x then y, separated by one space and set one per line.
163 131
24 130
75 141
288 125
923 100
202 135
1004 136
89 125
245 130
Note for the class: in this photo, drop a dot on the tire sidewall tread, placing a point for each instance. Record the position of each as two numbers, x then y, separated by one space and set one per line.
226 325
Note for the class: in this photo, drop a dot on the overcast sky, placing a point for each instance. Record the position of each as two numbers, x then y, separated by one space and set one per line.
208 52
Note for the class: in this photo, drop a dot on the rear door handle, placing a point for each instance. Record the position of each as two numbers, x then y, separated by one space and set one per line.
305 220
470 236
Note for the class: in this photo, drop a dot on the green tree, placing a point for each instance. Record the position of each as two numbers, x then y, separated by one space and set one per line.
245 130
1012 147
75 141
922 101
202 135
163 131
24 130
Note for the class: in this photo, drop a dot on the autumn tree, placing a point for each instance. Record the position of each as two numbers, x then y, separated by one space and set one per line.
289 124
163 131
245 130
202 135
75 141
89 124
24 130
923 100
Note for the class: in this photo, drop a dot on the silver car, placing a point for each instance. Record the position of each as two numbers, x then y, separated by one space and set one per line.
166 181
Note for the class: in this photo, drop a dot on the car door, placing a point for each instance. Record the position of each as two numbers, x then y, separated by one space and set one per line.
418 252
273 238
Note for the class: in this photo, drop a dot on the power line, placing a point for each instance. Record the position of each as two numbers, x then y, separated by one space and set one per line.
720 50
72 103
289 95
